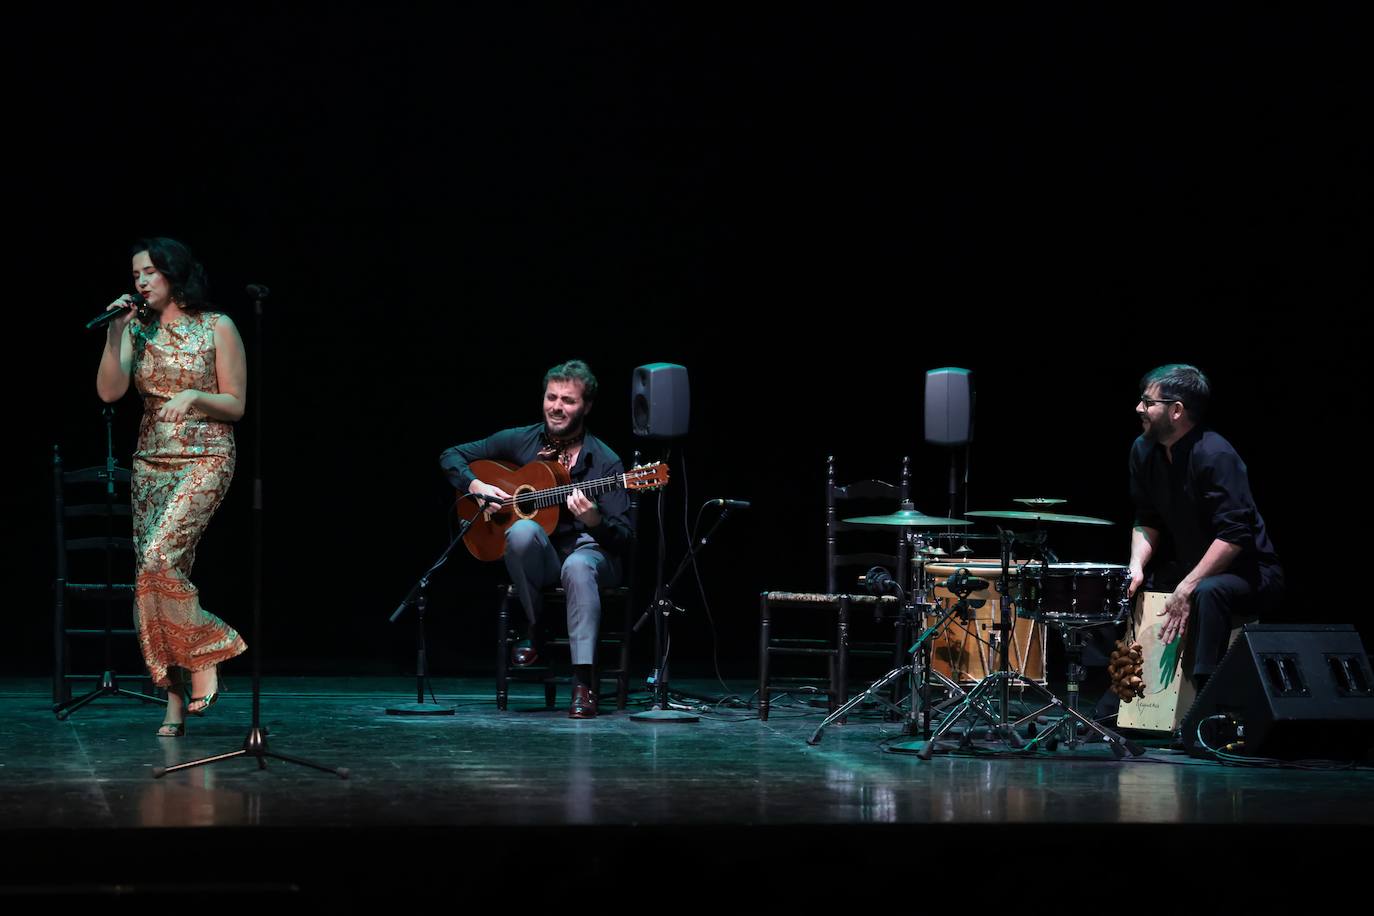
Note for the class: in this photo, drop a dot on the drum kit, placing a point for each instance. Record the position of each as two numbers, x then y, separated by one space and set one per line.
983 625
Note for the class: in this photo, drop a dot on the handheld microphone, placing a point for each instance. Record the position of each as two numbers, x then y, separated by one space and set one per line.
105 317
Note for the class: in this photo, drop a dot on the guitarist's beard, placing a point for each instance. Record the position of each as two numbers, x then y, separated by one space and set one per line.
573 427
558 447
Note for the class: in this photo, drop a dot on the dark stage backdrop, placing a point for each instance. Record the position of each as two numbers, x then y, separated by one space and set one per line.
808 209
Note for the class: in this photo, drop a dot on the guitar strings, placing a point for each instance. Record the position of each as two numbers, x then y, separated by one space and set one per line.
542 499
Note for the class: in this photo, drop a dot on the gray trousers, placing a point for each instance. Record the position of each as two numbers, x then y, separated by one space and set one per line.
581 567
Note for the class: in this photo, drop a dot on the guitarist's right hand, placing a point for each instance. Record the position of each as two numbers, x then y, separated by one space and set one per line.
483 489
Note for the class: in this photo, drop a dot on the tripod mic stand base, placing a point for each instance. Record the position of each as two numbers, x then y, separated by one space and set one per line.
254 745
420 709
657 716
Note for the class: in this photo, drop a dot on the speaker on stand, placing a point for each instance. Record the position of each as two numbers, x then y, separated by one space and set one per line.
949 422
660 405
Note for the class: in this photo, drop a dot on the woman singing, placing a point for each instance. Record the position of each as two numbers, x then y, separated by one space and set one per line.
188 364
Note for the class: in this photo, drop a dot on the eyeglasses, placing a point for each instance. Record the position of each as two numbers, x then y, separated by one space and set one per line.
1150 402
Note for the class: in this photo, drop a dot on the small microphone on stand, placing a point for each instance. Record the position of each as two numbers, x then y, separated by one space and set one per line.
729 503
878 581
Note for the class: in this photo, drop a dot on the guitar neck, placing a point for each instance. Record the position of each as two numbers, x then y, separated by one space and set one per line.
556 496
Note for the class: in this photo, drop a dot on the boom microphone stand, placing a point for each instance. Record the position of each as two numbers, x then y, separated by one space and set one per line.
417 597
255 744
661 610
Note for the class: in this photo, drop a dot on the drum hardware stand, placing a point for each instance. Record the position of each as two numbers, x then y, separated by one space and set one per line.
915 718
255 743
1071 631
1001 682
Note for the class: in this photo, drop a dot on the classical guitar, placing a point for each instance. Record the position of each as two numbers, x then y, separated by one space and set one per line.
538 491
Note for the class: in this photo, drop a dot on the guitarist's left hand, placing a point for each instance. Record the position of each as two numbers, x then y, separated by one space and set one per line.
584 509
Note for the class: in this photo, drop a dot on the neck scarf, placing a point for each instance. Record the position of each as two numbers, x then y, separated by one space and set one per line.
556 448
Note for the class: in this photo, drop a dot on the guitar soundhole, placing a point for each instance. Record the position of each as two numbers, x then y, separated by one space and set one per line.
526 502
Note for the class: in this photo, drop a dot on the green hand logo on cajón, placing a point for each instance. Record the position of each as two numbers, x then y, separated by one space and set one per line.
1168 662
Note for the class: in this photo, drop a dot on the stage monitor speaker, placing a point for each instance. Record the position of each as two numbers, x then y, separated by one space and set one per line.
1290 691
660 401
949 406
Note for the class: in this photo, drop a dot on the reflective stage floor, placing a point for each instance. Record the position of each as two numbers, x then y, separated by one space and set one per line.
526 802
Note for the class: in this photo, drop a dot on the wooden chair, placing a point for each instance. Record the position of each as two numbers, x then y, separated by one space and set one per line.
839 597
93 503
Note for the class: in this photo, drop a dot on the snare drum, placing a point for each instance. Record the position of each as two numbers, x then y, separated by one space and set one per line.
1083 593
967 653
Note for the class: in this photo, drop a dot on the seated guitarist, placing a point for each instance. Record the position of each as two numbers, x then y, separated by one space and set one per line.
584 552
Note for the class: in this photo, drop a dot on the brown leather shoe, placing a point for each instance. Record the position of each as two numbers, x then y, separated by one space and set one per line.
523 654
583 703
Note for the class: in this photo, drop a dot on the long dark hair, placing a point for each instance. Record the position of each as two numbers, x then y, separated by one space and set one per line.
185 275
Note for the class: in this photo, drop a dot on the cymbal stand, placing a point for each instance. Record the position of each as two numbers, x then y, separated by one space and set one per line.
1000 682
919 671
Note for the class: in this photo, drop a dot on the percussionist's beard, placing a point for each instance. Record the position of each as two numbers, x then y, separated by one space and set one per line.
1158 430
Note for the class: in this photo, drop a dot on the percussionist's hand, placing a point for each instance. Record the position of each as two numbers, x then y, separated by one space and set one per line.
482 489
1175 614
177 407
584 509
1137 580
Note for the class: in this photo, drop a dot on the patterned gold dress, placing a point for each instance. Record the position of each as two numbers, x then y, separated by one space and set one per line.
182 470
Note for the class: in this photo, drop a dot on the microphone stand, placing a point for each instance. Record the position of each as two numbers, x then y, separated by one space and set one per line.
255 744
416 596
661 608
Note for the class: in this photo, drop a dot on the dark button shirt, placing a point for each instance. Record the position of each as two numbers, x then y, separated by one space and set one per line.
520 445
1201 496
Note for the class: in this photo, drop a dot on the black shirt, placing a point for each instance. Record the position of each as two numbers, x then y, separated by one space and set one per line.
521 445
1201 496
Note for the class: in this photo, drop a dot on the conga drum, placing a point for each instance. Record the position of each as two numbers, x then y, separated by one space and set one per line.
965 652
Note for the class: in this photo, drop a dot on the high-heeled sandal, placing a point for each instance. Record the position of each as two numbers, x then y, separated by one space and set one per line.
208 700
171 730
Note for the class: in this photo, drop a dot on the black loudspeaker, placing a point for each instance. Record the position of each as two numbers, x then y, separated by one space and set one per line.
949 406
660 401
1289 691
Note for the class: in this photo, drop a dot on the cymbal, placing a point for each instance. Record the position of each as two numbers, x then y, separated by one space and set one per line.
907 518
934 552
1040 501
1042 517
